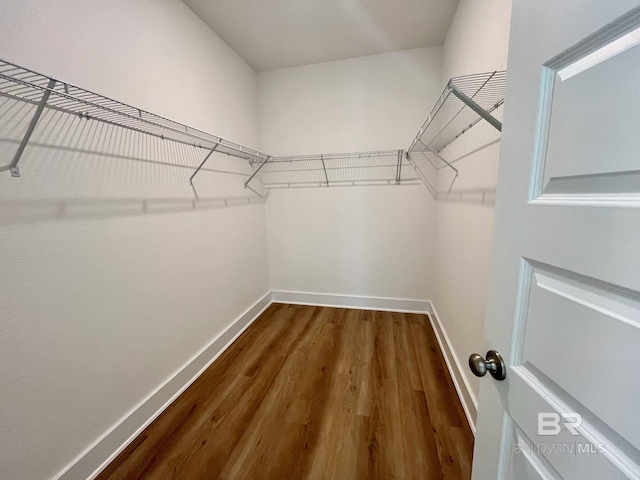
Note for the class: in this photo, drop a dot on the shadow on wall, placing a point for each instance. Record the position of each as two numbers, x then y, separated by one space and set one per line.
74 168
475 155
473 196
477 177
33 211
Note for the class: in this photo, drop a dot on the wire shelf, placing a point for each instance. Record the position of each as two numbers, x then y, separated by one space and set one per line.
388 167
464 102
25 85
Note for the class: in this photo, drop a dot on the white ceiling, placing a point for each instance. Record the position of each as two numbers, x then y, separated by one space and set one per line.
272 34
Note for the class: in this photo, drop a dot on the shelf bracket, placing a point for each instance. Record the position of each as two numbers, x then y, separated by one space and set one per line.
13 167
246 184
455 177
476 108
421 175
399 168
203 162
325 170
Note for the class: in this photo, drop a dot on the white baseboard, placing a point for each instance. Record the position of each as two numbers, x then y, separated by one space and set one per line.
97 456
351 301
465 392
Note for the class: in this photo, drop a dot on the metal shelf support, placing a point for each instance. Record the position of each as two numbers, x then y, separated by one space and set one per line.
15 171
476 108
464 102
456 172
203 162
399 169
246 184
326 177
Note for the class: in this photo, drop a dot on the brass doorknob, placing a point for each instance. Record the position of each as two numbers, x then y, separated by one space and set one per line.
494 364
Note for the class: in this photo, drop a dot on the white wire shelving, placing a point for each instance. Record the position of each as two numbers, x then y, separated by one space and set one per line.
43 92
386 167
24 85
464 102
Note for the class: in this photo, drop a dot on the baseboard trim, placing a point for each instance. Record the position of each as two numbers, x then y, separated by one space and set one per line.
465 392
98 455
103 451
351 301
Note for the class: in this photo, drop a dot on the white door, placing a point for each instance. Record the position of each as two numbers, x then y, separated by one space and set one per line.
564 300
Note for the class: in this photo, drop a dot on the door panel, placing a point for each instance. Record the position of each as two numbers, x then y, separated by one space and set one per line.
596 327
593 83
564 299
525 462
583 100
591 454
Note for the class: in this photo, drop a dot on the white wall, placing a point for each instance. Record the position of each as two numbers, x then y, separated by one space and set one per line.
111 277
365 241
477 42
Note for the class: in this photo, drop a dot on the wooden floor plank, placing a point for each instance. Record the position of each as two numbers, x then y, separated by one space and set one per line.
451 431
279 444
313 393
453 443
436 382
418 441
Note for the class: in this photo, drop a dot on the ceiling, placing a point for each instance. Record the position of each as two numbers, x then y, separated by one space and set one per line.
272 34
